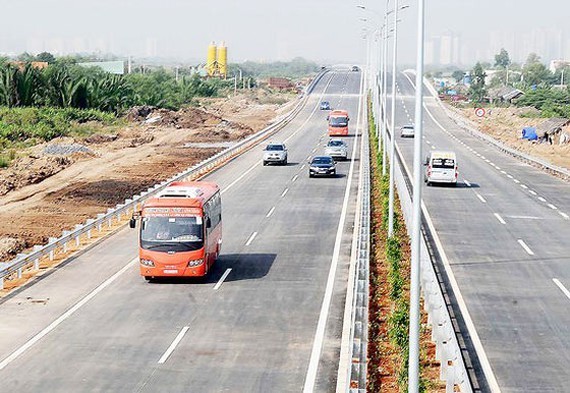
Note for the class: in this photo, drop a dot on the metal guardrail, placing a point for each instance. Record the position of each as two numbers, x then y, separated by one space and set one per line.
358 350
471 128
448 351
55 245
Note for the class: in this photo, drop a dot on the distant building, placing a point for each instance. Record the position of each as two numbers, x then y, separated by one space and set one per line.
558 64
443 50
280 83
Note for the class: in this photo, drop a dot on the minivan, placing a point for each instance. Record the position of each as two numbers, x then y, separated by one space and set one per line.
441 167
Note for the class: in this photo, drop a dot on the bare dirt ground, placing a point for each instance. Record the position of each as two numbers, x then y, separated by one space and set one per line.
54 186
506 124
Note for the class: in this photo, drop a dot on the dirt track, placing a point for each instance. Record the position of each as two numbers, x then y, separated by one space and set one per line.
47 195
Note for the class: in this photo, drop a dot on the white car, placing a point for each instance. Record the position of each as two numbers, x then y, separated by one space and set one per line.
441 167
337 149
275 152
407 131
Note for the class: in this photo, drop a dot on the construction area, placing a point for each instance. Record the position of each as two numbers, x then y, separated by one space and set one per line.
54 186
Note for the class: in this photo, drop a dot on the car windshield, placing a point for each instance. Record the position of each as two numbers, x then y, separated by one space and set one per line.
172 233
443 163
274 147
325 103
322 160
335 143
339 121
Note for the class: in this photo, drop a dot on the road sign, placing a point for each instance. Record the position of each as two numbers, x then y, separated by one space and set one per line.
479 112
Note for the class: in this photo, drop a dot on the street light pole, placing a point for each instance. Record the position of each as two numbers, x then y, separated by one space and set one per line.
414 341
393 123
384 82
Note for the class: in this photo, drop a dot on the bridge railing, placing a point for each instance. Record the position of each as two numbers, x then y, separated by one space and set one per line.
31 260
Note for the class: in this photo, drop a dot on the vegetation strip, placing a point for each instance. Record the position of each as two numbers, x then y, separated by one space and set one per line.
389 295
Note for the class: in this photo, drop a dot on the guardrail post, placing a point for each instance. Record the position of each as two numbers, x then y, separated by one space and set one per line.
1 282
37 260
19 271
110 220
100 224
89 223
52 252
65 233
78 237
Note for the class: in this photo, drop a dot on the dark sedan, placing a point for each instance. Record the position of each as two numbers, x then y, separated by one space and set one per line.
322 166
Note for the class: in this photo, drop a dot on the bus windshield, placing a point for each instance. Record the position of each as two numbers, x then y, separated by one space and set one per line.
338 121
172 233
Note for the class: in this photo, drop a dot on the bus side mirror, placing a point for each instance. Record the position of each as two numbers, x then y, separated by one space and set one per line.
426 161
208 223
133 222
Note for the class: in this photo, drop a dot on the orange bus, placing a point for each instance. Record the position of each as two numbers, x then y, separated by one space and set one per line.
180 230
338 122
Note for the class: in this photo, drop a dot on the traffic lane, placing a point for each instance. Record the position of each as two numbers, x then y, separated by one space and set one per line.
523 275
135 296
131 241
550 187
27 311
241 164
290 296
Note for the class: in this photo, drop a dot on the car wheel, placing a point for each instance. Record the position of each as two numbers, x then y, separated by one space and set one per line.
310 175
148 278
285 162
264 163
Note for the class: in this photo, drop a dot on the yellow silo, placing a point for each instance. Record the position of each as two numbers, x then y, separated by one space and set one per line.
211 64
222 58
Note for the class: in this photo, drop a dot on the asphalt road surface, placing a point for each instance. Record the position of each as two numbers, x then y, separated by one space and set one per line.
504 229
95 325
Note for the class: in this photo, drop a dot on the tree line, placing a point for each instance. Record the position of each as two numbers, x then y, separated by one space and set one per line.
63 85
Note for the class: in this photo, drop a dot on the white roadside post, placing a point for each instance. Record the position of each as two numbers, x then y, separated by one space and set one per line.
384 82
414 340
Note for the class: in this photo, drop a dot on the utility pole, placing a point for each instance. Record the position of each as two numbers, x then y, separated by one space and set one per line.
393 124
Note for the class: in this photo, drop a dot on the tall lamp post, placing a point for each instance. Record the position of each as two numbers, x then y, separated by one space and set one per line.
414 341
393 122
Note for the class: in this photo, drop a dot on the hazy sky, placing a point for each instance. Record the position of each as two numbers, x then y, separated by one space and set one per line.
320 30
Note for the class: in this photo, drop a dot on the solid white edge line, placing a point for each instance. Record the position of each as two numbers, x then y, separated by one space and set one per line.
526 248
500 218
65 315
312 369
173 345
343 369
480 197
253 235
270 212
562 287
221 280
481 354
284 192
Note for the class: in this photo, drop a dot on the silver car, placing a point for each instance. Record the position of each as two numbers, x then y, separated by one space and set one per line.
337 149
275 152
407 131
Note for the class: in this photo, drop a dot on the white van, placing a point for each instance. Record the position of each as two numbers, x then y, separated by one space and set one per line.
441 167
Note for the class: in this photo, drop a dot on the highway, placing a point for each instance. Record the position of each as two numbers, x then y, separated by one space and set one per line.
95 325
504 230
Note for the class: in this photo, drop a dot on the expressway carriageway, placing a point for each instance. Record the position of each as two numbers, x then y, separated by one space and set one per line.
504 230
94 324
